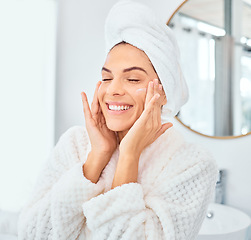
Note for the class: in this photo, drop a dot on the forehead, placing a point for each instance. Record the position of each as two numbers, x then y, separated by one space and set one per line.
126 54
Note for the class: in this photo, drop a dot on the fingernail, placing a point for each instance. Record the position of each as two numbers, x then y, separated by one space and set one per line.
160 87
157 95
156 81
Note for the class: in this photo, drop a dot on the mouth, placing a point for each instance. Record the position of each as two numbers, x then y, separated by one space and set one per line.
118 107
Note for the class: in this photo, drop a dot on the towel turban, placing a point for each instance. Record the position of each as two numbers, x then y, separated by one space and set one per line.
137 24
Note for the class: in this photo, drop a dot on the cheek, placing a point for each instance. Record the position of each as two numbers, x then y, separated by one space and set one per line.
140 97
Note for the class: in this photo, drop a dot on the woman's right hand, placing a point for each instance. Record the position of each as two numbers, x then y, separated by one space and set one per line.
103 140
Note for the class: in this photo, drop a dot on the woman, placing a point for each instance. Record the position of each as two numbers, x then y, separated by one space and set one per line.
130 175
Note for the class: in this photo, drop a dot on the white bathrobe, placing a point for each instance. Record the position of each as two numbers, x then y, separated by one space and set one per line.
176 182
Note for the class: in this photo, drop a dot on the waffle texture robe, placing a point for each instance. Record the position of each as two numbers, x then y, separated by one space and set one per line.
176 182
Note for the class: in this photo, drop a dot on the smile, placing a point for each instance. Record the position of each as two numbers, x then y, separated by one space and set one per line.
119 108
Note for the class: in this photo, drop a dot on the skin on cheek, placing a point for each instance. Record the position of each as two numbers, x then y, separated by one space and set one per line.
142 93
141 90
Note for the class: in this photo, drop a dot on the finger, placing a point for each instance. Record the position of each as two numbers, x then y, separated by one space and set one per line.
156 113
150 106
149 93
153 111
162 95
163 128
95 103
86 108
161 91
102 119
158 88
154 106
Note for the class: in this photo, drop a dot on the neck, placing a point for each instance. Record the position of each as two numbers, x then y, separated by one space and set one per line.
121 135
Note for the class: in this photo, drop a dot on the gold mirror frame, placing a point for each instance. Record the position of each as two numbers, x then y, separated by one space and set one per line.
204 135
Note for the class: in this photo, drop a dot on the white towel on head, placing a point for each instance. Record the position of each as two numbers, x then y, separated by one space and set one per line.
138 25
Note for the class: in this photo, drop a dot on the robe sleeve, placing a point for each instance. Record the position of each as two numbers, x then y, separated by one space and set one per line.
173 209
55 209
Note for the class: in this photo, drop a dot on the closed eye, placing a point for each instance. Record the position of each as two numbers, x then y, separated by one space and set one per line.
133 80
106 79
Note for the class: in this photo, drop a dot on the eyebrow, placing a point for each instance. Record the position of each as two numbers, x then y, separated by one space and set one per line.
126 69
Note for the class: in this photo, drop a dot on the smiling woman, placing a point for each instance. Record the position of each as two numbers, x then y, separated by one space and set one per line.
128 174
126 70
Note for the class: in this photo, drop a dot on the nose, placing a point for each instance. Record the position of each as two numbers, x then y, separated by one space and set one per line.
115 88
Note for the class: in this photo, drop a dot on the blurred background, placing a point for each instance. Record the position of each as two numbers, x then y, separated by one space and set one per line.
27 94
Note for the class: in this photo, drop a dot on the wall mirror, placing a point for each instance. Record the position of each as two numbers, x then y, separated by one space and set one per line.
214 38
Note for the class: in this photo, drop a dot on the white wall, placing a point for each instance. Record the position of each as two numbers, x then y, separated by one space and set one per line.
27 71
80 57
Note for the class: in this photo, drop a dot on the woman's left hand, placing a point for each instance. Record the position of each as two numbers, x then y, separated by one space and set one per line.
148 127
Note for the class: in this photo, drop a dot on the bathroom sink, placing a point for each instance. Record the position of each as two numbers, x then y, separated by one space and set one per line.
223 222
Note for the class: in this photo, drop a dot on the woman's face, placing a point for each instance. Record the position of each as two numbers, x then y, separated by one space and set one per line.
125 77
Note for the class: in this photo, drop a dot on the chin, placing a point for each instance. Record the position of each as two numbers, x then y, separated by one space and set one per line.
117 126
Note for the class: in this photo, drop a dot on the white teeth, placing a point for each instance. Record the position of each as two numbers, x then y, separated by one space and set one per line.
118 108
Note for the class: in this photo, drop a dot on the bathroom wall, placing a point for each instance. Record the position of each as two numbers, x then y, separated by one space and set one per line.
79 59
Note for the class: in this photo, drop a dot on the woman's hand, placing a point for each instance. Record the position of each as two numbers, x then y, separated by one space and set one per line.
103 140
148 127
144 131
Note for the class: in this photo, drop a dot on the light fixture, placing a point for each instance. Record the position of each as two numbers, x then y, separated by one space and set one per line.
204 27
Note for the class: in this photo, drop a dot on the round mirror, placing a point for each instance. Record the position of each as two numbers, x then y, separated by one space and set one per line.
214 38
